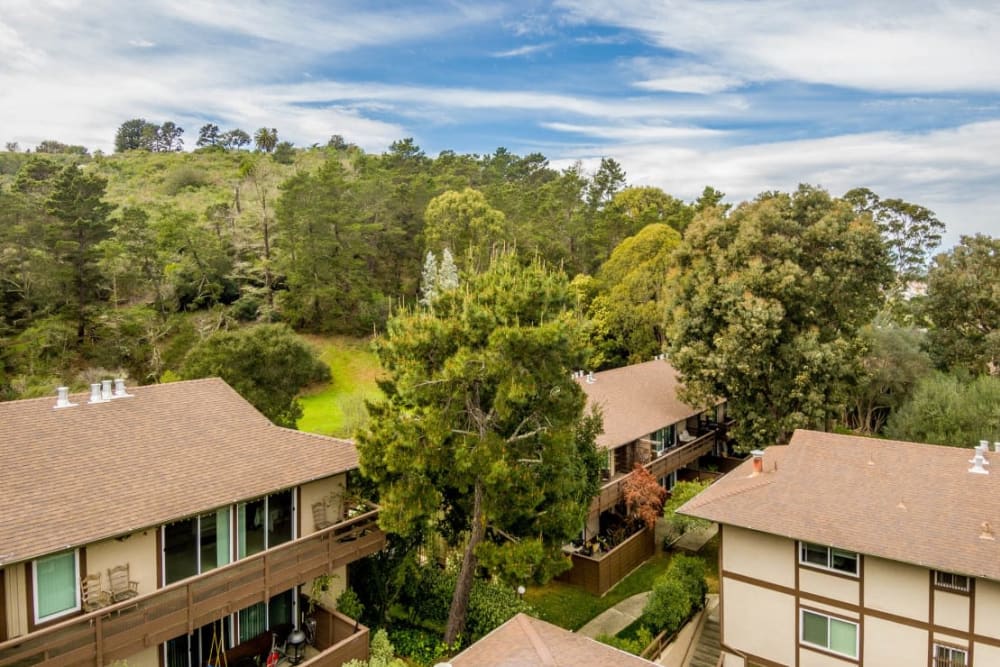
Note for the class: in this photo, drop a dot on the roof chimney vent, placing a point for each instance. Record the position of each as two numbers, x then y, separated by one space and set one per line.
758 461
105 390
590 378
62 398
95 393
996 446
120 391
987 531
978 462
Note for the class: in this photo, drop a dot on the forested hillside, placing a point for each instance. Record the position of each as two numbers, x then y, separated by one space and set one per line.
125 263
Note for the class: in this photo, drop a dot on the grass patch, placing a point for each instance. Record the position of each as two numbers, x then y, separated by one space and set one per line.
338 408
571 607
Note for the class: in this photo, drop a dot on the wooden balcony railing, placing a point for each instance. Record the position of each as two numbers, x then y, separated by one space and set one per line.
121 630
670 460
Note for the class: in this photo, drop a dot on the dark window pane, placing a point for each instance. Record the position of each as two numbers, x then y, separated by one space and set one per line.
279 522
814 628
845 561
252 525
180 550
815 554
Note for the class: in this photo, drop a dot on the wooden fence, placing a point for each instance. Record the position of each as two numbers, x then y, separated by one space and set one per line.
597 574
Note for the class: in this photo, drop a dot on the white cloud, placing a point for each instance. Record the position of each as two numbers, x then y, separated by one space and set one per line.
639 132
952 171
522 50
893 45
141 43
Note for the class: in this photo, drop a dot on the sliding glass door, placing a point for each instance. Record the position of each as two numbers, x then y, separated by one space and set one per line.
265 523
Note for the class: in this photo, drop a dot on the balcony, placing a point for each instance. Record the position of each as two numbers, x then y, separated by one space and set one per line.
661 466
121 630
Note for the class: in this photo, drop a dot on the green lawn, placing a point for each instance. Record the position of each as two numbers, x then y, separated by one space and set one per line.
337 408
571 607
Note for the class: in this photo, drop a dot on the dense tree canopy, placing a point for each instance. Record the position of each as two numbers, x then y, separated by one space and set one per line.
963 306
950 410
267 364
482 432
764 307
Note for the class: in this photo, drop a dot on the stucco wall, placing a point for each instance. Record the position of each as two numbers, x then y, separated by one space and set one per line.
828 585
951 610
896 588
138 550
987 655
329 490
759 555
810 658
745 607
987 609
888 643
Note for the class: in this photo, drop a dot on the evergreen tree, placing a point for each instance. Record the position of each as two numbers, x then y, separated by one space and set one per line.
482 432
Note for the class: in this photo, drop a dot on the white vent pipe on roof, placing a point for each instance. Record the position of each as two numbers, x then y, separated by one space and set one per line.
120 391
62 398
105 390
996 446
978 462
590 378
95 393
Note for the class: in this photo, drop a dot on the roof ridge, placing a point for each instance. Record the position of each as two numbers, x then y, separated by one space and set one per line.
699 500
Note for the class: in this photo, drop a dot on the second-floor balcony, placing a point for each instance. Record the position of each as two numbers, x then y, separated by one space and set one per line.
659 466
126 628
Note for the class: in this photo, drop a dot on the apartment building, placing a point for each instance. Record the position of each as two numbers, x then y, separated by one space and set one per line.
150 524
839 550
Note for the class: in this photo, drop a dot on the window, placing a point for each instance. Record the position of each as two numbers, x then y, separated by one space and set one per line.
832 634
265 523
946 656
663 439
195 545
828 558
56 590
954 582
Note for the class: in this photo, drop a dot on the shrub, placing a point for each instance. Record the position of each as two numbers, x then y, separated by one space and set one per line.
184 177
491 604
420 646
634 645
676 593
349 604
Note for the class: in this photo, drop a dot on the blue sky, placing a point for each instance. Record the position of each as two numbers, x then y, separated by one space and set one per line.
745 95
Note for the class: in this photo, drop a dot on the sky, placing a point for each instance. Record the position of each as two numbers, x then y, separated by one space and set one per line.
900 96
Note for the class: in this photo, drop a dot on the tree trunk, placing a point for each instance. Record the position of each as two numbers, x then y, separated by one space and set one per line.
463 587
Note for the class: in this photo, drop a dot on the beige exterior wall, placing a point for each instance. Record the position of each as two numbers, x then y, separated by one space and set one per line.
810 658
329 491
745 607
138 550
951 610
148 658
987 655
888 643
16 602
759 555
897 588
337 586
988 609
828 585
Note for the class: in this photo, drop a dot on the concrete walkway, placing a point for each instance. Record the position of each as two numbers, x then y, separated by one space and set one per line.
614 620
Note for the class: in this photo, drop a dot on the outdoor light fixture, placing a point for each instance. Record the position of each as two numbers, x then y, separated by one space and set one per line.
295 645
520 591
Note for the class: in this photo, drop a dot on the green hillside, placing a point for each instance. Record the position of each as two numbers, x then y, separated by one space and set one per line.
338 408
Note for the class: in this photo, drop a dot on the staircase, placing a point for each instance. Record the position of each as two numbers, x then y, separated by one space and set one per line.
707 651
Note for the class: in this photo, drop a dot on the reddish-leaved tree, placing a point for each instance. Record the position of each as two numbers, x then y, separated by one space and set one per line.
644 497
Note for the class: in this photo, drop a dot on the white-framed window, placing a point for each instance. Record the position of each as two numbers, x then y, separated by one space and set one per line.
828 558
55 584
949 656
955 582
829 633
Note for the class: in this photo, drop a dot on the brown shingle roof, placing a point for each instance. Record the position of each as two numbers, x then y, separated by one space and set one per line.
524 641
899 500
76 475
636 400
